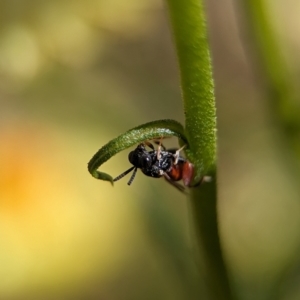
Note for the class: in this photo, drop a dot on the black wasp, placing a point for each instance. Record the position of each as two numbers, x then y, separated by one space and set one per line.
160 163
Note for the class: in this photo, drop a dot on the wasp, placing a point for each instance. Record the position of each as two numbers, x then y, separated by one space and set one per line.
160 163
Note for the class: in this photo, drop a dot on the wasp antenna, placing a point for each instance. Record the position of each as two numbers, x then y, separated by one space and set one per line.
132 176
159 143
123 174
160 146
149 145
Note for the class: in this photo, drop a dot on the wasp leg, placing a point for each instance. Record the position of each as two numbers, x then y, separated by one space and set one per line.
149 145
159 143
178 186
160 146
123 174
176 155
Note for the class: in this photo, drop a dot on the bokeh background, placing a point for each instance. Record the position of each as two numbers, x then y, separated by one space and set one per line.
75 74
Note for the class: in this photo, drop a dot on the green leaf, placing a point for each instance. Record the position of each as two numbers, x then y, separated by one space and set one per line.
137 135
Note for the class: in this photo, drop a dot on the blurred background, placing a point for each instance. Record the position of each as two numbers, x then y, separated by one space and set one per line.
75 74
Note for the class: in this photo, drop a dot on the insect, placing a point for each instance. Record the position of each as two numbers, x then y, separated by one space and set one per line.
160 163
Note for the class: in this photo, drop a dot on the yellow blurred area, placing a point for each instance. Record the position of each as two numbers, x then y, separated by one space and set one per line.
75 74
64 234
49 235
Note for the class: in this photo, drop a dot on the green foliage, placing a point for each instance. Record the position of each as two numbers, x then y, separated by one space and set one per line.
199 134
139 134
188 23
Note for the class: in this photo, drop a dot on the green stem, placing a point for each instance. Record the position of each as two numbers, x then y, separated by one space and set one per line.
281 97
189 29
285 111
210 259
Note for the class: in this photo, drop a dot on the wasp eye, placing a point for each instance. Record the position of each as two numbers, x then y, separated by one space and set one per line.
132 157
146 161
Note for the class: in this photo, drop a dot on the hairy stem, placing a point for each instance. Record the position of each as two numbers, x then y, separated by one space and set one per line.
189 29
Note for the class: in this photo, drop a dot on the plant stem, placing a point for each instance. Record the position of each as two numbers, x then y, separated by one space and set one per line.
189 29
209 258
281 92
187 20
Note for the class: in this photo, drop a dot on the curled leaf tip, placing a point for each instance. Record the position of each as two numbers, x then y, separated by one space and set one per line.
100 175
